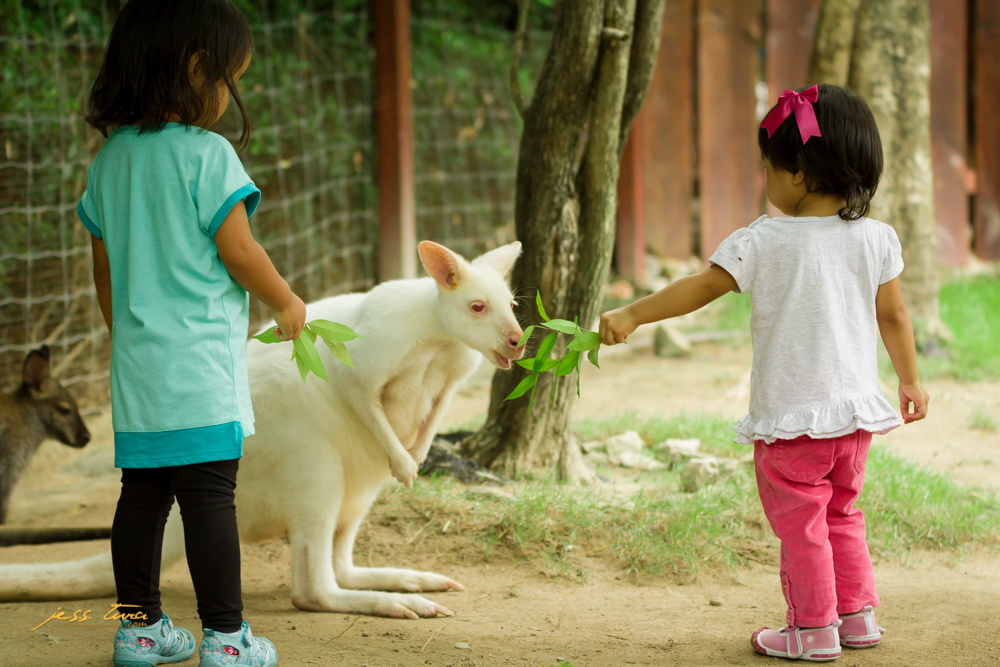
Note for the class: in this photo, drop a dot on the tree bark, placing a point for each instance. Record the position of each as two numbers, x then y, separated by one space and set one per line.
589 90
890 67
831 56
881 49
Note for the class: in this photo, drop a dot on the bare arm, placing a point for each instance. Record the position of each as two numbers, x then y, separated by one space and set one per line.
102 278
250 266
897 335
679 298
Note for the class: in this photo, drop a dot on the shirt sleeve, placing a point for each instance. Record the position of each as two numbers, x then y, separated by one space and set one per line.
892 257
222 182
87 209
738 256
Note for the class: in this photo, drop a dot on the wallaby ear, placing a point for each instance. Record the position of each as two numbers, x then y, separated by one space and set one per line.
501 259
36 367
442 264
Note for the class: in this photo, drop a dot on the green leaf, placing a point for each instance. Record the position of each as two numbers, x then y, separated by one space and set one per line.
306 353
333 331
526 335
529 364
303 367
339 351
541 308
268 336
592 355
568 364
562 326
544 349
585 340
523 386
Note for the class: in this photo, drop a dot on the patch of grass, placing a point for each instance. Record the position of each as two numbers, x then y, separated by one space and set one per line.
733 311
908 506
659 531
983 421
971 310
715 432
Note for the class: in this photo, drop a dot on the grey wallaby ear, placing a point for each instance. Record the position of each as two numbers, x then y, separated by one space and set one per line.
36 367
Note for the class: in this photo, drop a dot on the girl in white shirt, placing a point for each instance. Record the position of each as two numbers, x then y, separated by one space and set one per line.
824 280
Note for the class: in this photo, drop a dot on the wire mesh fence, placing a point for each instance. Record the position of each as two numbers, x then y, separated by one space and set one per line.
466 130
309 98
309 92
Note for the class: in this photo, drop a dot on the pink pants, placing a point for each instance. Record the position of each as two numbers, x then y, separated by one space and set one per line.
808 488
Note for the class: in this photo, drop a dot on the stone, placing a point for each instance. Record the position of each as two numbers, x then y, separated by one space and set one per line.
463 646
699 472
715 602
626 450
679 450
669 342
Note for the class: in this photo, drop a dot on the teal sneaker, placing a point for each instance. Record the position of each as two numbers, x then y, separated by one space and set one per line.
225 649
152 645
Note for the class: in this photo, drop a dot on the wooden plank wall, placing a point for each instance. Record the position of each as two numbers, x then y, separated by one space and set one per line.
949 129
729 164
668 131
791 30
394 135
630 237
987 128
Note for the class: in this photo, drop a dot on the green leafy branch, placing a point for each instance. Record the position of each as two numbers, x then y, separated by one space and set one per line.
584 341
304 350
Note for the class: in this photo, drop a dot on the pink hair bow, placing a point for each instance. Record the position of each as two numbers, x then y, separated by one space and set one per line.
802 105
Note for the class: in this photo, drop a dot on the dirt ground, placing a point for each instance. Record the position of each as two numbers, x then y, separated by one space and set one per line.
941 609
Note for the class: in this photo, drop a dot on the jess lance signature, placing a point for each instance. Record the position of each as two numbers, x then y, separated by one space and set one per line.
79 616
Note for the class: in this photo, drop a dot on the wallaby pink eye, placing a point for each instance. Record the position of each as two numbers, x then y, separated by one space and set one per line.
478 307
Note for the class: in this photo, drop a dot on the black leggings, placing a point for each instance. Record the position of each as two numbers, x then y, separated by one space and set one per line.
205 493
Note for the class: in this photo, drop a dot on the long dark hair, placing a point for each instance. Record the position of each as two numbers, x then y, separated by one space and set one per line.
845 161
144 77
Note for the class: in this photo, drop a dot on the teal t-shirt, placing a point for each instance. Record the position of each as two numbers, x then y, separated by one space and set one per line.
179 387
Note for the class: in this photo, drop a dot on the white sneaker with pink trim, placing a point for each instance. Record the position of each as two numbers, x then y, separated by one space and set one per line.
859 630
809 644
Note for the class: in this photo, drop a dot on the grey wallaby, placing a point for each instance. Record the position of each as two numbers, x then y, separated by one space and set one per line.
38 408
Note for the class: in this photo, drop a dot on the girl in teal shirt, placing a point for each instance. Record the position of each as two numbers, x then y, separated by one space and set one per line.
167 205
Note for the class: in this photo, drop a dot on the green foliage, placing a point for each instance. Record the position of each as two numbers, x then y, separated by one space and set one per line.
971 310
304 351
583 341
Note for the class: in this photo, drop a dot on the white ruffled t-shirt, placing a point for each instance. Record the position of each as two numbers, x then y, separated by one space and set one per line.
812 283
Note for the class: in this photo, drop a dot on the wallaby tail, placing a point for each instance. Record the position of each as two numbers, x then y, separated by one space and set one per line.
73 580
91 577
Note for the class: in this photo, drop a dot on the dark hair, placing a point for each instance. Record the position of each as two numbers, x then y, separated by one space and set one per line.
845 161
144 77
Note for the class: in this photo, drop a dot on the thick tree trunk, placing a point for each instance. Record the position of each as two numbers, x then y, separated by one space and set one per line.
590 88
890 67
881 49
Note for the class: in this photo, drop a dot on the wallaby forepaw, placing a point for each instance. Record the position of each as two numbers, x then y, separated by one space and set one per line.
404 469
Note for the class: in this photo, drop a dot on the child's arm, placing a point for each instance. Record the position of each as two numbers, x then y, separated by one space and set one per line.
897 335
250 266
102 278
679 298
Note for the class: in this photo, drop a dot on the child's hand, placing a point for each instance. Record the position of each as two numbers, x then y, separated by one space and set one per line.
616 325
290 319
915 393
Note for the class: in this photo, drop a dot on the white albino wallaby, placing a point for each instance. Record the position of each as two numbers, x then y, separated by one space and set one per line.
323 450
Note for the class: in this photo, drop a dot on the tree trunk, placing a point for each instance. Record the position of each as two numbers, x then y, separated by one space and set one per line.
891 68
886 44
589 90
831 56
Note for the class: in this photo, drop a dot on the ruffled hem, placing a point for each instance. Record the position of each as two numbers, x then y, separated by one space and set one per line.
870 413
